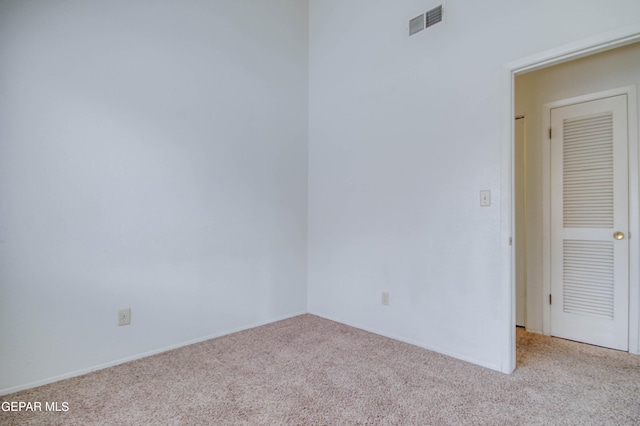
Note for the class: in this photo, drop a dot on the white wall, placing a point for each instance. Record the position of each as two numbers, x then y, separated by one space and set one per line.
403 134
609 70
153 156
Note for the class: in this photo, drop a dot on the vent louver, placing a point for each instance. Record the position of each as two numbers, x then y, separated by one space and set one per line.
425 20
416 25
433 16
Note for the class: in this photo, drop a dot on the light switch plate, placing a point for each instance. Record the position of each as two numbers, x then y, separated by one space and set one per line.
485 198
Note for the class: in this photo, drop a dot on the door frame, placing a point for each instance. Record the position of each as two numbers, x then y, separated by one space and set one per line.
523 216
598 43
634 218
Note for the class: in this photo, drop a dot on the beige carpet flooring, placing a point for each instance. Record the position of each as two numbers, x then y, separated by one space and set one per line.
311 371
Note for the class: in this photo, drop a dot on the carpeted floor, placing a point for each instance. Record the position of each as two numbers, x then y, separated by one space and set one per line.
309 371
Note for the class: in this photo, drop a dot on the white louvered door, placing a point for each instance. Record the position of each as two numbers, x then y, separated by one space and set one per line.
589 204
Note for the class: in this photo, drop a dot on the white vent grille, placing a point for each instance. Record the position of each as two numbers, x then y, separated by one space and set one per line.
588 278
416 25
588 172
433 16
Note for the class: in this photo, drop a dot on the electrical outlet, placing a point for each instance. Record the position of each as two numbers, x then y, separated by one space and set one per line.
124 316
385 298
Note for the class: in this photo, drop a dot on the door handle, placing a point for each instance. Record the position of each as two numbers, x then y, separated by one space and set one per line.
618 235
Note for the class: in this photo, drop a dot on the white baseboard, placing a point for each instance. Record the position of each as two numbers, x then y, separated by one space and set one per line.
413 342
83 371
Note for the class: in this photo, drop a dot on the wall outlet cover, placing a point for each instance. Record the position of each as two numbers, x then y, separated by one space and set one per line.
124 316
385 298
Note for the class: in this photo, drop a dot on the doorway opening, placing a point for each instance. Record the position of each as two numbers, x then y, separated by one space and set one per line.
604 63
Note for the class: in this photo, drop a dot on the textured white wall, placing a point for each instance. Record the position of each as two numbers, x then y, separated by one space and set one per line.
152 155
609 70
403 134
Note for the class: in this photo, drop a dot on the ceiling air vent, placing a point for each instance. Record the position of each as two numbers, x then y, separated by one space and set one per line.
416 24
433 16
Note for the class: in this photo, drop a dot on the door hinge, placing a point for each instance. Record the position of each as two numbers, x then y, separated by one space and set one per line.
510 241
550 133
550 299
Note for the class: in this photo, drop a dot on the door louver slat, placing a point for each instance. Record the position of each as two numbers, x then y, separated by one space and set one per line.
588 278
588 172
